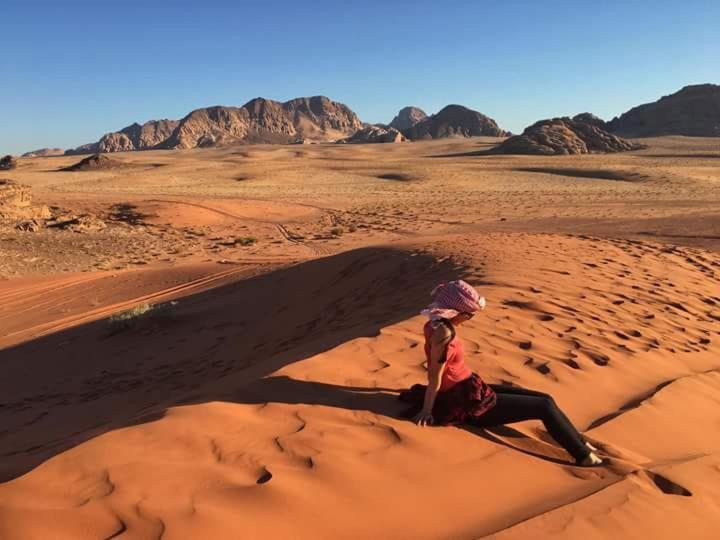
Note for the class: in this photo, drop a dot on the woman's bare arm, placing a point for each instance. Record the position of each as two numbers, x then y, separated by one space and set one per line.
436 365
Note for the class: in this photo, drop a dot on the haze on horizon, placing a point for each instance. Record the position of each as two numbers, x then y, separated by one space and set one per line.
77 70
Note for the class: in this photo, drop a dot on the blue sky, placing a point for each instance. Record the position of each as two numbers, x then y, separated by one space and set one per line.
73 70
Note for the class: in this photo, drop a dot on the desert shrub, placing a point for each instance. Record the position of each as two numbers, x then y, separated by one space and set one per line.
247 240
133 316
337 231
7 163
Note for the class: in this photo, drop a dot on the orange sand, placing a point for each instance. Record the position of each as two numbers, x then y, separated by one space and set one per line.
265 404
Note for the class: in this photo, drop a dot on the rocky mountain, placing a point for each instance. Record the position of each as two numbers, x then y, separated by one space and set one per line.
692 111
454 121
44 152
407 118
266 121
375 134
138 137
260 120
564 136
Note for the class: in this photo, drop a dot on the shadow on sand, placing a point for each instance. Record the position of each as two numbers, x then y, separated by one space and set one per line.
219 345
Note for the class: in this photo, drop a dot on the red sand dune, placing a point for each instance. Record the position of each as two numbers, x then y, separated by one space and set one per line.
265 406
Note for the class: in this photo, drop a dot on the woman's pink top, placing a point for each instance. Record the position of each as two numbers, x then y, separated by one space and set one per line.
455 368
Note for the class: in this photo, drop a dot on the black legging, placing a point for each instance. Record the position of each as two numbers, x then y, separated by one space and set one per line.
518 404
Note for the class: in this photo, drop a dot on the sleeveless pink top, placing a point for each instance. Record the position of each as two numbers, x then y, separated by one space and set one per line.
456 370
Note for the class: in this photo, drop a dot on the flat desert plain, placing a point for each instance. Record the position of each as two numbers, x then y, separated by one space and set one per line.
257 398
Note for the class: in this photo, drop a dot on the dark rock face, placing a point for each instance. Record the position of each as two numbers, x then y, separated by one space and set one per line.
375 134
7 163
559 136
407 118
266 121
454 121
692 111
137 137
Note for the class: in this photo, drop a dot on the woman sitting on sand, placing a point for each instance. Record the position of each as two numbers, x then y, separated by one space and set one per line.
455 395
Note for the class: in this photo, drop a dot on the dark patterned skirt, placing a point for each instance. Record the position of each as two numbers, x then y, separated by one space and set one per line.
466 400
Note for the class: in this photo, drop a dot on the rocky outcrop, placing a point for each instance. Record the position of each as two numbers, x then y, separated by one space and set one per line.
692 111
16 204
7 163
564 136
94 163
375 134
454 121
44 152
138 137
266 121
407 118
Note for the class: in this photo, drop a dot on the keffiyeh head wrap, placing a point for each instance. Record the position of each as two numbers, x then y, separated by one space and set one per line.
453 298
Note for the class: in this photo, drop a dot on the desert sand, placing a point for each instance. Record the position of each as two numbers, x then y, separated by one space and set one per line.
263 403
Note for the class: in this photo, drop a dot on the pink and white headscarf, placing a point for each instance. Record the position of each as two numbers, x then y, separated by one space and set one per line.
452 298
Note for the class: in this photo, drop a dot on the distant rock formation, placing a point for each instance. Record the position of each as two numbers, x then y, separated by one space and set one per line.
564 136
266 121
44 152
375 134
89 148
138 137
454 121
407 118
260 120
692 111
95 162
7 163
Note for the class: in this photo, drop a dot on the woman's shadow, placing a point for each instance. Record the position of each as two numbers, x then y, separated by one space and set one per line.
378 400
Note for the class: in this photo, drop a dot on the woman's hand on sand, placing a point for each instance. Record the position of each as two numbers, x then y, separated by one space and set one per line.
423 418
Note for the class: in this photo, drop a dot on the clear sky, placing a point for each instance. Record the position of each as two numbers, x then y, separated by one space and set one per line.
71 71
